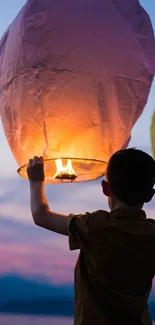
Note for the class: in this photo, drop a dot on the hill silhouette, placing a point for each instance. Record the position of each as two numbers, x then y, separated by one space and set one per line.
13 287
47 306
28 296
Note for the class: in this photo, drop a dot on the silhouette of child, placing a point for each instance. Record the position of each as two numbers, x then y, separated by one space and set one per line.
116 264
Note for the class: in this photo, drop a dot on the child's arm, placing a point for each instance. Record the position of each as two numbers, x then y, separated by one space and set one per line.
41 213
79 228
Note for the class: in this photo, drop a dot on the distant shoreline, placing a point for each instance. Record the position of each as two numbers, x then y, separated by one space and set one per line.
9 313
41 307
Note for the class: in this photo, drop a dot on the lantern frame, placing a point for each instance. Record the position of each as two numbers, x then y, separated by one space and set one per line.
85 170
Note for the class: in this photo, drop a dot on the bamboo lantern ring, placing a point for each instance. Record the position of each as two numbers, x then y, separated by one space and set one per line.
67 170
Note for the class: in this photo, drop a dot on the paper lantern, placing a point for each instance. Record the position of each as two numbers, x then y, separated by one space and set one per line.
74 78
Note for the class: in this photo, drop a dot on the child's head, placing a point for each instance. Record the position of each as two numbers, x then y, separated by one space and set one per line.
130 178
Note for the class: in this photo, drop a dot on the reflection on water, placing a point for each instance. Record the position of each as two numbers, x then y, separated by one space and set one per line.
33 320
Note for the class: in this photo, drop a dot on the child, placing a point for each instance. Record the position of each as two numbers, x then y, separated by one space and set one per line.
116 264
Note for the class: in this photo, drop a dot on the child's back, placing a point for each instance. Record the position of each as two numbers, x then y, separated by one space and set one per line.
116 266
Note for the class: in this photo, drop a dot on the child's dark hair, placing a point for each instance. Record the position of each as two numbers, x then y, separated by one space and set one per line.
131 175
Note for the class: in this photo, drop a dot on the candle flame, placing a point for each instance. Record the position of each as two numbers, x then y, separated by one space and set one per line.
64 172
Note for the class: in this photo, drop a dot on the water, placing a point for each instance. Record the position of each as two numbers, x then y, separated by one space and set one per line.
33 320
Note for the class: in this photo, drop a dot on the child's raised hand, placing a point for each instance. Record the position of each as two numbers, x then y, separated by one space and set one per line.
35 169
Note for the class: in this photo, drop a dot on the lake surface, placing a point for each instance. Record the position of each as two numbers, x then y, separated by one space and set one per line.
33 320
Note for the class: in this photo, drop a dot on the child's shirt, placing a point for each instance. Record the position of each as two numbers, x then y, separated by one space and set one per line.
115 268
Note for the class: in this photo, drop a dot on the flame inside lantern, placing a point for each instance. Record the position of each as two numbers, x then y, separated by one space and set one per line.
64 172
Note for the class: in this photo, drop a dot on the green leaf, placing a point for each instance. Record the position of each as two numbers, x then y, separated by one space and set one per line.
152 133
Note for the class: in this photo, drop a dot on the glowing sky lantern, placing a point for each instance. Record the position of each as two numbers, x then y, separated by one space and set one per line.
74 78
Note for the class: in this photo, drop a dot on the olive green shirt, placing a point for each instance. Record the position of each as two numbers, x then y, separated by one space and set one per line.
115 267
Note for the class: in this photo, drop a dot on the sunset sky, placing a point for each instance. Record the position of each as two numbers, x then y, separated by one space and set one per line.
24 248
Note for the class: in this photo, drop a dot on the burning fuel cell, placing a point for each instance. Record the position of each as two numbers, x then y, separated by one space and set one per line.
64 172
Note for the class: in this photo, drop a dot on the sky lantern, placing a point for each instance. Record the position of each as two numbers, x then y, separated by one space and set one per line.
74 78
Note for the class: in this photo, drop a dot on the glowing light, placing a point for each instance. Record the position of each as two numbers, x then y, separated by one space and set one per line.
64 172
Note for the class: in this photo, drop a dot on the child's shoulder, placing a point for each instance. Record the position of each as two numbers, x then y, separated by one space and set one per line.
99 218
100 213
151 221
